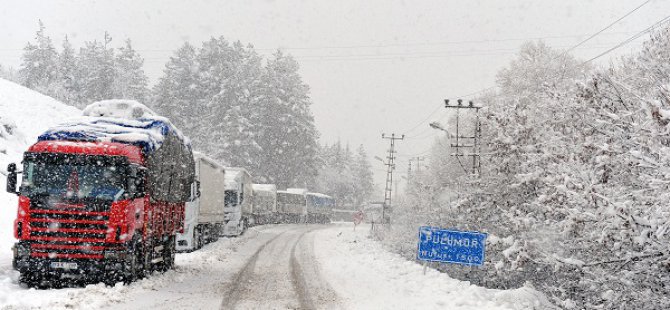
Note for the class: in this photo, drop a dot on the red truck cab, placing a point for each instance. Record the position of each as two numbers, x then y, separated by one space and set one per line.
98 206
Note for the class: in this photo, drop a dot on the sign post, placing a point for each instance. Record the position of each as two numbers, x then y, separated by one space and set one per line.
358 218
451 246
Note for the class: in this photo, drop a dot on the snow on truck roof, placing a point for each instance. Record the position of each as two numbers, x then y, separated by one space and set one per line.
200 156
124 121
233 176
264 187
319 195
301 191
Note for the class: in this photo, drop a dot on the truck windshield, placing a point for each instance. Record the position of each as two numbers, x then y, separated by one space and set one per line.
74 181
230 199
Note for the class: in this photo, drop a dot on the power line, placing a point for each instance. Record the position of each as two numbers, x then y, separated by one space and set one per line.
424 120
639 34
581 43
608 26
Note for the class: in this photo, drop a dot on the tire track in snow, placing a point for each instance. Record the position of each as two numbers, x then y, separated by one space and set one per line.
298 278
313 291
233 294
282 273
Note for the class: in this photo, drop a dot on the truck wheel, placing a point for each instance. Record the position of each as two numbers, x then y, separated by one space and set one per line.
197 239
146 265
134 269
168 254
29 279
242 227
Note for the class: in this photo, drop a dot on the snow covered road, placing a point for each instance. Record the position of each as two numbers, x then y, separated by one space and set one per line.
282 274
282 267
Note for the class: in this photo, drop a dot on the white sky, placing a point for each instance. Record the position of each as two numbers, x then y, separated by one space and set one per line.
373 66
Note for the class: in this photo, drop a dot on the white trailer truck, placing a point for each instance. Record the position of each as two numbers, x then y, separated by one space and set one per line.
204 216
238 201
265 204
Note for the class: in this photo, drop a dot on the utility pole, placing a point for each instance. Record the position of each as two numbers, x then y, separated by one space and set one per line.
409 171
419 159
471 141
390 166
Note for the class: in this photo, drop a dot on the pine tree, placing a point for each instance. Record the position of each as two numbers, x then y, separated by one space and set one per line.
289 137
241 112
130 82
67 71
362 178
178 94
229 76
96 72
39 69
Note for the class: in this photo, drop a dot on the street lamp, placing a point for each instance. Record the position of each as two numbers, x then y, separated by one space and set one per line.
438 126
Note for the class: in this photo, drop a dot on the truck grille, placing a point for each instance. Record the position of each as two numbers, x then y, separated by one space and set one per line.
68 234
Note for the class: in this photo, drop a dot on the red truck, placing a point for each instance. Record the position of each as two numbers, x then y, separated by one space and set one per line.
101 198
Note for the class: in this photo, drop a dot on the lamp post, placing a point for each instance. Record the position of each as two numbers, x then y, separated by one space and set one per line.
438 126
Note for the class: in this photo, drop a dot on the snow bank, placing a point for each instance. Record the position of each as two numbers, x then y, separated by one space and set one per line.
125 121
372 278
24 114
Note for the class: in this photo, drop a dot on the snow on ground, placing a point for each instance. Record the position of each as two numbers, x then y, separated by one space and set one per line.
366 276
356 268
24 114
190 285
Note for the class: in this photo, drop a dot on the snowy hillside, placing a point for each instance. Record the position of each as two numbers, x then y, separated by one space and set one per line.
24 114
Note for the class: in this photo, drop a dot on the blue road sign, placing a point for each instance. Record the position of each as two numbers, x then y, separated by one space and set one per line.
451 246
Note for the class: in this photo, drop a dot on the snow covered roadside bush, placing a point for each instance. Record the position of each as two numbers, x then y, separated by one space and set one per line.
574 189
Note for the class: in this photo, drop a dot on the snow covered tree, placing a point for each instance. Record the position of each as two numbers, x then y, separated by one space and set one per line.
178 94
8 73
363 183
574 185
130 82
241 112
344 176
230 74
96 72
67 73
288 137
39 67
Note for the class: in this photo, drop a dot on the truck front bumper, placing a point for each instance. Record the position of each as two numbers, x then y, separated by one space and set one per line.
25 263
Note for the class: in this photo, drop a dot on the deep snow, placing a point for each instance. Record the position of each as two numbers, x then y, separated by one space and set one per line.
358 269
368 277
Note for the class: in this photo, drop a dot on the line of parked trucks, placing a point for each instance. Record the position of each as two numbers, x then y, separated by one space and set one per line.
113 196
224 202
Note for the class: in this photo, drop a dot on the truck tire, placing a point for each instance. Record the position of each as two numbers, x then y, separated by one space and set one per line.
242 227
168 254
30 279
197 239
134 269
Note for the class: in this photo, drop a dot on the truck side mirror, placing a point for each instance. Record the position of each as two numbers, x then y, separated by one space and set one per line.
11 178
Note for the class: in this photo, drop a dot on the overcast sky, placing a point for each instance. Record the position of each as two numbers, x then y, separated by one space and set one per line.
373 66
